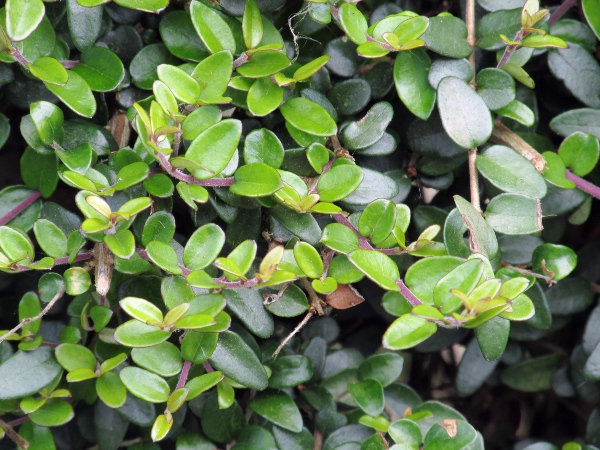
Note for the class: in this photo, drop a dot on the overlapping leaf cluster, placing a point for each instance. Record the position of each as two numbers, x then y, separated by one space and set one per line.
265 178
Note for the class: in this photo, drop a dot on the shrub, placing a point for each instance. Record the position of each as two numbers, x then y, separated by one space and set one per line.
291 218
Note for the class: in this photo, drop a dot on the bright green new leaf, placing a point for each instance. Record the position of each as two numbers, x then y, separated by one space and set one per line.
557 260
212 28
76 94
23 17
152 6
308 116
378 267
122 243
49 70
353 23
142 310
183 86
407 331
264 97
145 385
339 182
308 259
102 70
213 148
252 26
51 238
580 151
203 247
369 396
410 78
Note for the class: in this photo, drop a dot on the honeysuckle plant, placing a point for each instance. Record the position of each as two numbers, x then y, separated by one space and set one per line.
236 218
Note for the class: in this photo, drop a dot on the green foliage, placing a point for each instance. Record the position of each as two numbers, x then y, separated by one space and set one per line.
199 183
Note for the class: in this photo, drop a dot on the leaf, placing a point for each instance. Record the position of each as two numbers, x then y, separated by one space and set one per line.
198 347
410 77
591 10
85 22
102 70
278 408
339 182
164 257
203 383
15 245
264 97
353 23
464 114
482 235
496 88
510 172
134 333
203 246
183 86
308 116
163 359
463 278
452 435
213 148
23 17
54 413
252 26
492 337
122 243
532 375
579 71
142 310
474 369
369 396
160 226
308 259
212 75
290 371
51 238
178 34
26 373
370 129
256 180
111 390
152 6
76 94
212 28
145 385
237 361
247 305
585 120
407 331
447 35
580 151
263 146
49 70
376 266
557 259
263 64
513 214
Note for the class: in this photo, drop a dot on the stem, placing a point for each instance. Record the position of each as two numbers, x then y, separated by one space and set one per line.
562 9
505 136
27 320
62 260
20 208
166 165
363 241
19 57
184 374
68 64
407 293
293 333
470 21
473 176
315 301
242 59
208 367
12 434
509 50
584 185
474 179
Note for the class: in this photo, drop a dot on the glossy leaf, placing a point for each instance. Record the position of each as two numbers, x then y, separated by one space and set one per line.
279 408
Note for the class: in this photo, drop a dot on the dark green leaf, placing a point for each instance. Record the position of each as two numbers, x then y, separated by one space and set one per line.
278 408
26 373
532 375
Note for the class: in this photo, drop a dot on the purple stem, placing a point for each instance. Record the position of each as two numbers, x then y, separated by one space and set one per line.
208 367
19 421
68 64
166 165
184 374
584 185
407 293
242 59
510 49
562 9
20 207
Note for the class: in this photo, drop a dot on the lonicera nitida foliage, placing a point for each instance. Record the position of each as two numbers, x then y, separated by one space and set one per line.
271 177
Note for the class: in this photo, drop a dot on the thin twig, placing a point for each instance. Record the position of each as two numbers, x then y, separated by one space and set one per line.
318 440
20 207
474 179
12 434
27 320
315 301
308 316
510 49
407 293
175 173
